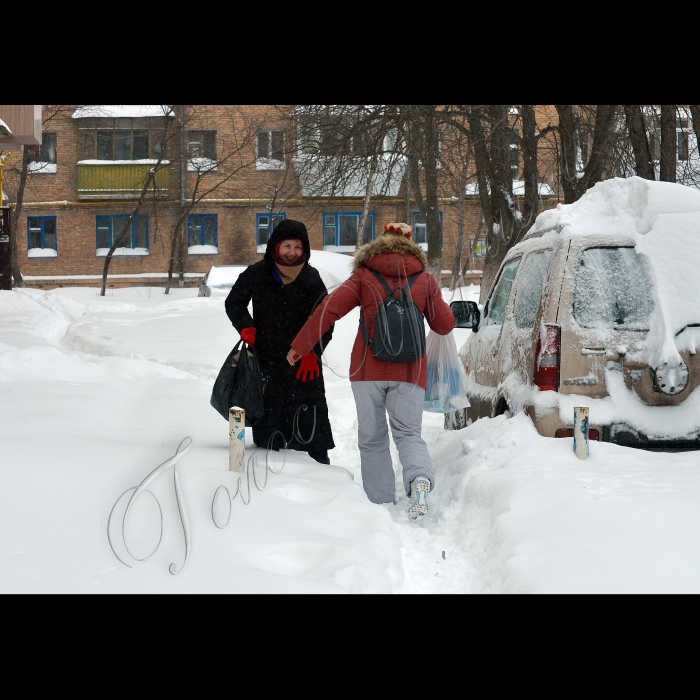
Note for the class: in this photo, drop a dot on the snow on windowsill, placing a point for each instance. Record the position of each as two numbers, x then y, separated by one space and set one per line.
203 250
196 165
42 253
141 161
269 164
38 167
123 252
261 249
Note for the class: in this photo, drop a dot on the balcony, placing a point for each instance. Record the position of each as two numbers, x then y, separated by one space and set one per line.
113 179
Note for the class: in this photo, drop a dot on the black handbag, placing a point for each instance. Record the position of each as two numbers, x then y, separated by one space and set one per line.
239 384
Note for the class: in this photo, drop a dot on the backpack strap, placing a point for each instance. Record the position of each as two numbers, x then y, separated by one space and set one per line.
383 282
391 291
411 280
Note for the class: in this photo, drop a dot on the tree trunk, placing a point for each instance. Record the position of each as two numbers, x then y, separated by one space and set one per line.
567 166
605 116
461 224
502 207
423 151
16 272
177 238
531 202
695 113
574 183
667 155
431 138
643 163
119 239
481 163
368 201
472 248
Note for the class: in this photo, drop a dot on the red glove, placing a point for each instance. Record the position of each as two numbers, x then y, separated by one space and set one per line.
248 336
308 367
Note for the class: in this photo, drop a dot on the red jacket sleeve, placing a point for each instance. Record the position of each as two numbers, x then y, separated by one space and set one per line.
438 314
334 307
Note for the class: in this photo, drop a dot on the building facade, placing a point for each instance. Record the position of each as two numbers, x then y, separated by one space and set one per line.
218 179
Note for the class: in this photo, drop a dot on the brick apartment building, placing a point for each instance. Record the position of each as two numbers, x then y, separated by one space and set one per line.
86 178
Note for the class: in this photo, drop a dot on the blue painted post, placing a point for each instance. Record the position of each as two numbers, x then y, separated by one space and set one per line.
581 432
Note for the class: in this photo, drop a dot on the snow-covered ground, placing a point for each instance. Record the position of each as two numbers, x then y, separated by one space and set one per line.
96 392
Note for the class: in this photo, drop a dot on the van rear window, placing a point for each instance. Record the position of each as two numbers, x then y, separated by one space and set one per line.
612 290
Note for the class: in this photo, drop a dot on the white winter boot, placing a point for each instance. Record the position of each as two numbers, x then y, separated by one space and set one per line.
420 488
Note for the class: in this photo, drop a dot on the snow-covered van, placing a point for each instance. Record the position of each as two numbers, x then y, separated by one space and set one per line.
598 306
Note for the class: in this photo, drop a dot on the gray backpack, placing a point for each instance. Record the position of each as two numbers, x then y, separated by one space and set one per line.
399 326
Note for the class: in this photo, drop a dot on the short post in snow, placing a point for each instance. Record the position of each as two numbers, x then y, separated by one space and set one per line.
581 432
236 439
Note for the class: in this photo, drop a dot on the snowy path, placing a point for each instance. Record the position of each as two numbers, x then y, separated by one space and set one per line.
96 392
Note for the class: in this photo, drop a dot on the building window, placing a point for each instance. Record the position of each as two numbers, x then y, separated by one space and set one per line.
202 144
340 230
203 234
420 230
42 241
270 148
121 139
42 159
201 151
263 230
133 243
122 144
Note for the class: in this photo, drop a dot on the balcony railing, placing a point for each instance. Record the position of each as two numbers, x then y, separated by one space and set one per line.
120 179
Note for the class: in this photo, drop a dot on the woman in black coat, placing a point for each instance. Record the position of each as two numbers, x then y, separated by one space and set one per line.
285 290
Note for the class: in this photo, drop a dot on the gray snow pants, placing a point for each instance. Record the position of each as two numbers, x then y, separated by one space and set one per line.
404 404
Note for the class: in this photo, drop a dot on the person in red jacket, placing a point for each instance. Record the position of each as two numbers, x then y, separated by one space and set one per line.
380 386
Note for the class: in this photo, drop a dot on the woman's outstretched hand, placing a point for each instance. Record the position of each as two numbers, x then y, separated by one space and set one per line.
308 369
293 357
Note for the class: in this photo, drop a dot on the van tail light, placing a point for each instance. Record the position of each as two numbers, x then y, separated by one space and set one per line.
548 358
593 434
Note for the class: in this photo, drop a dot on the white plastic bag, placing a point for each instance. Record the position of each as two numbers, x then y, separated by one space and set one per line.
447 380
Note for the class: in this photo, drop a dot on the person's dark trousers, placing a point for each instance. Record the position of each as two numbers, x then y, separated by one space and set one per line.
320 456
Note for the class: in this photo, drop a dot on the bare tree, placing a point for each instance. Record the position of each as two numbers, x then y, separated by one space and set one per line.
234 157
456 172
574 119
667 153
639 141
29 154
347 151
121 238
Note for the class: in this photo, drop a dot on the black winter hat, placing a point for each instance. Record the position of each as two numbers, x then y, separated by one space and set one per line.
284 231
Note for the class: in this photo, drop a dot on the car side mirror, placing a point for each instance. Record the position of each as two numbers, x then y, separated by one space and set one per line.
467 314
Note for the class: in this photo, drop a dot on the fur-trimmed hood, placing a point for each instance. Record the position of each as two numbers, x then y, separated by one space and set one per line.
389 243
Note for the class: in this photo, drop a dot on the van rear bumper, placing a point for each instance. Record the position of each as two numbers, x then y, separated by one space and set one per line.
627 436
